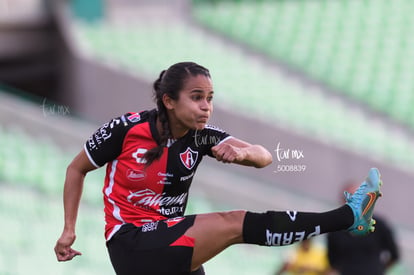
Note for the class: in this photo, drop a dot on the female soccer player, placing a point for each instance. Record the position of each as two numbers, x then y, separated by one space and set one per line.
151 158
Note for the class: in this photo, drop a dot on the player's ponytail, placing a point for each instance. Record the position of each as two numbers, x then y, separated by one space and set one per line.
170 82
156 152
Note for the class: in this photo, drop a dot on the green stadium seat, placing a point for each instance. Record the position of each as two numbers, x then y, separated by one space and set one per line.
355 47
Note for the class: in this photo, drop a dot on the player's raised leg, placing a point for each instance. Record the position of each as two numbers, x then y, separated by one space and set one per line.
213 232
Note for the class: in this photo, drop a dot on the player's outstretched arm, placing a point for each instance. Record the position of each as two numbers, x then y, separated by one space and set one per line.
234 150
72 192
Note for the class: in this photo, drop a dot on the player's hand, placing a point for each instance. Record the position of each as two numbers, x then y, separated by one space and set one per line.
63 249
228 153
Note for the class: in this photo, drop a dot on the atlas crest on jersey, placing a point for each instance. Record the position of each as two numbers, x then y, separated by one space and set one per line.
189 158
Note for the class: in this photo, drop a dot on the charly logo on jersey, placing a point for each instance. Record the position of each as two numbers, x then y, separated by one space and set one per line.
138 155
135 175
134 117
189 158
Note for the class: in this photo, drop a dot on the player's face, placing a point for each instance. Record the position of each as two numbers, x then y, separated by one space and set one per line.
194 106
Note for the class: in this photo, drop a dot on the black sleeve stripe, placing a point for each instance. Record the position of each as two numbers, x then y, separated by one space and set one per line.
224 139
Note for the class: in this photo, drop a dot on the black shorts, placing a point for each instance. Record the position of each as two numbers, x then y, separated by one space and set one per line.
155 248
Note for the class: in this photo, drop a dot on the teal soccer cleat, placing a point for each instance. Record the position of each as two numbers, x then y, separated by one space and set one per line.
362 203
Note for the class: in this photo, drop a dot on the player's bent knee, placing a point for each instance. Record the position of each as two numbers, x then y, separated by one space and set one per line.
233 221
227 225
233 218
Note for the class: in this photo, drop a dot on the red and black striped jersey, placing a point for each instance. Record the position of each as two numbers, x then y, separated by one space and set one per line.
138 193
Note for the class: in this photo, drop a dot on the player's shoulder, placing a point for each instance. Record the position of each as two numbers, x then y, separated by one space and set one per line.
131 119
209 136
213 128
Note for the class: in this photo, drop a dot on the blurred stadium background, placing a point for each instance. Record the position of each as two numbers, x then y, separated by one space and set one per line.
332 79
